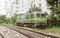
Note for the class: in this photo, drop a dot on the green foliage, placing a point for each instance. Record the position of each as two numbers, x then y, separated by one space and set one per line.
5 20
51 2
55 14
2 19
56 10
13 19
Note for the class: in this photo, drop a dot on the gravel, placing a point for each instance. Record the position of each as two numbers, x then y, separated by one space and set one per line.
9 33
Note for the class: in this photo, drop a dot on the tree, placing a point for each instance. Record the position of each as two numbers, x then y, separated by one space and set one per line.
14 18
2 18
55 14
51 2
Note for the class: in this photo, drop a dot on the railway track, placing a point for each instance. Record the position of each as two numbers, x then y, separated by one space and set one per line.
1 36
27 33
31 34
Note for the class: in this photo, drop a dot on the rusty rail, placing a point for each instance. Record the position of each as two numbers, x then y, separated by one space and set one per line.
44 34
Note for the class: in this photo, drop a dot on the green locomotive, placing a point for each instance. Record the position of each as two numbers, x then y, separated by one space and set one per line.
32 20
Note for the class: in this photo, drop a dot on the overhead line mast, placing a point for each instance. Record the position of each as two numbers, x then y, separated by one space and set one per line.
17 6
34 3
22 5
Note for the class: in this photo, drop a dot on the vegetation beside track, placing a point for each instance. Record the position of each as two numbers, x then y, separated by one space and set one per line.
54 30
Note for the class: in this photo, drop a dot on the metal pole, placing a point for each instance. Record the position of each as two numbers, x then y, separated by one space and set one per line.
21 12
16 6
22 5
34 3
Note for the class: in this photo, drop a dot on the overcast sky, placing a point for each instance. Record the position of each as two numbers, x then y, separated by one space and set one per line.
2 6
26 7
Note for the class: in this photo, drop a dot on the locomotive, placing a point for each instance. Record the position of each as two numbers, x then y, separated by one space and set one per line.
32 20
